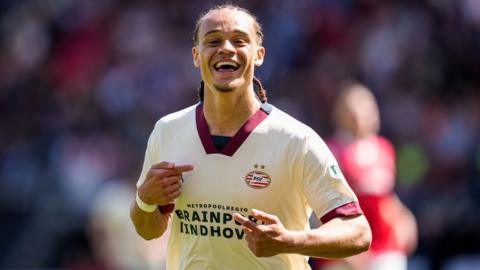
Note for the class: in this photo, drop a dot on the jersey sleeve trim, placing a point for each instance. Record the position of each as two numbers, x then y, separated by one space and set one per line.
346 210
166 209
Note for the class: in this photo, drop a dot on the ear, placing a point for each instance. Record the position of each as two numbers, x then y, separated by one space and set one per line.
196 57
260 55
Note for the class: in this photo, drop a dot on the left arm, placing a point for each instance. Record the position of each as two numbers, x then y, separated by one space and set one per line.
403 222
338 238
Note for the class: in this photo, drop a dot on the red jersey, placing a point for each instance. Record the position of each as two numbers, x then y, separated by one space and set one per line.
369 167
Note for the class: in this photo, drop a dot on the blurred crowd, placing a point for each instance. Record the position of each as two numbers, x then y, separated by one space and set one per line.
83 82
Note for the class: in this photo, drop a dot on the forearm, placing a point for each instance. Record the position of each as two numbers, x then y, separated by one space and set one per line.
148 225
337 238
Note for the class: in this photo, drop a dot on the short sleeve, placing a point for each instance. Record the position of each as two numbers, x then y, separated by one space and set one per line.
324 185
151 153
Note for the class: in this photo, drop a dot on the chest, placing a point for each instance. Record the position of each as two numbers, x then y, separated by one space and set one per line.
258 174
246 179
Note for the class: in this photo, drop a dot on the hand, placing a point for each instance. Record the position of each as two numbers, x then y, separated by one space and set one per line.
163 183
268 239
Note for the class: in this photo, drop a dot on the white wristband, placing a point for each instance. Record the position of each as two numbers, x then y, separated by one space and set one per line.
149 208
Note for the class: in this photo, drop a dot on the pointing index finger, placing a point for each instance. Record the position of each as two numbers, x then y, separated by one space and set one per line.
163 165
173 170
183 168
245 222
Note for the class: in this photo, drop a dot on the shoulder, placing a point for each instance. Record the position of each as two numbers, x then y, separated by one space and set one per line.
297 137
385 144
177 118
173 122
283 123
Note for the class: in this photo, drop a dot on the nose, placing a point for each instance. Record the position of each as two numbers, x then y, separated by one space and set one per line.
227 47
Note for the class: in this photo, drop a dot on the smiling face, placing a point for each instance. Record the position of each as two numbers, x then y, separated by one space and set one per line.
227 50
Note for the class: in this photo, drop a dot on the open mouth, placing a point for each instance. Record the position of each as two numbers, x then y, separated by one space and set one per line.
226 66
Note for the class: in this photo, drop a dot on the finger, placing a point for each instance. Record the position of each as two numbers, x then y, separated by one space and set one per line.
183 168
248 224
267 218
157 184
171 180
172 196
169 198
163 165
160 173
174 187
239 218
247 230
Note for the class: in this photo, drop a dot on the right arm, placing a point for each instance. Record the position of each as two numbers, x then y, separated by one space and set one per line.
161 186
148 225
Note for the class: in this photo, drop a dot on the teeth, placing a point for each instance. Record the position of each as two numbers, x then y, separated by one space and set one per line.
220 64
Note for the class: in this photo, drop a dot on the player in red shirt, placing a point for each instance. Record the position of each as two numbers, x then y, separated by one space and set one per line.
368 162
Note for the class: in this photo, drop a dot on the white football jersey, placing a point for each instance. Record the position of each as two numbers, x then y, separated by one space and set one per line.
274 164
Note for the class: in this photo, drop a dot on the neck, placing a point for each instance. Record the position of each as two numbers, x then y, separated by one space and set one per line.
226 112
353 135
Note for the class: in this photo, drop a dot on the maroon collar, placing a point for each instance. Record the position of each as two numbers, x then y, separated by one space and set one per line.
236 141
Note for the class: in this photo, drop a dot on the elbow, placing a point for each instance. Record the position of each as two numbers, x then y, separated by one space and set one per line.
145 233
362 244
148 237
364 239
148 228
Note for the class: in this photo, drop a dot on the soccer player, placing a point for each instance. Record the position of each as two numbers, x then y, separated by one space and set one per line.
237 177
368 162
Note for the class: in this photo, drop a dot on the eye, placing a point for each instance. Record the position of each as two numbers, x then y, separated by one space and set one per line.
240 41
213 42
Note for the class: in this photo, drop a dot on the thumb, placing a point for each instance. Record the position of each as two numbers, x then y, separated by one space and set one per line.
267 218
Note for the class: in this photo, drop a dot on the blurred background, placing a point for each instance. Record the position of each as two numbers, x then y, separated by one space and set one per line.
83 82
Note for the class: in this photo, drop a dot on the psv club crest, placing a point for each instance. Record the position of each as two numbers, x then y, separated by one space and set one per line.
258 179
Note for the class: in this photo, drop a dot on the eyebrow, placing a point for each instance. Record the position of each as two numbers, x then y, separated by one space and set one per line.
218 31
